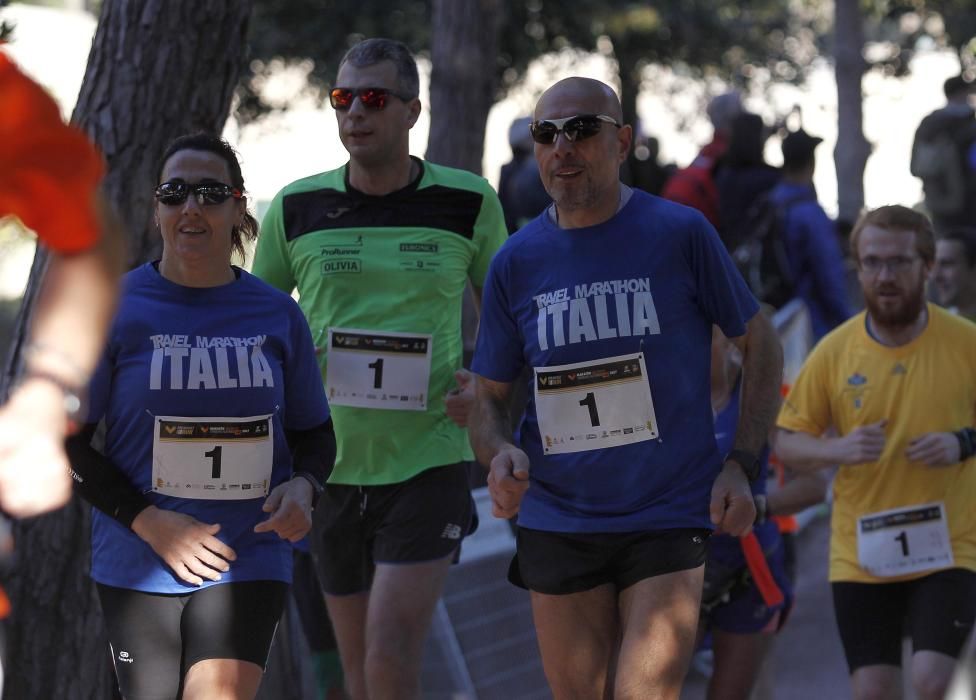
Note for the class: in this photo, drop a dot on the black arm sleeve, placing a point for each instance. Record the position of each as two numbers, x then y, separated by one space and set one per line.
313 451
99 482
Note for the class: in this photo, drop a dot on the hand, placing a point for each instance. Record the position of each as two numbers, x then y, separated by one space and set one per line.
290 504
188 546
458 401
34 473
935 449
732 509
863 444
508 480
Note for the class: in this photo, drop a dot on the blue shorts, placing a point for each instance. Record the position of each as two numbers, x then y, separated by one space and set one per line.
732 601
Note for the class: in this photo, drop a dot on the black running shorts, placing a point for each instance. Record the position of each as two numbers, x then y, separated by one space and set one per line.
557 563
936 611
419 520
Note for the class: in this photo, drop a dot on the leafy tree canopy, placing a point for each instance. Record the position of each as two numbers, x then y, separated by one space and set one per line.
738 41
730 39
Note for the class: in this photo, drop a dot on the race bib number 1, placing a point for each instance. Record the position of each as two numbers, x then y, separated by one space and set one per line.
213 458
592 405
904 540
370 369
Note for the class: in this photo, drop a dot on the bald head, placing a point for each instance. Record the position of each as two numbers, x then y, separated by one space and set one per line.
580 167
585 95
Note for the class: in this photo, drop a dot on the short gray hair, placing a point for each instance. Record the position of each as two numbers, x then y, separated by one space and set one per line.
369 52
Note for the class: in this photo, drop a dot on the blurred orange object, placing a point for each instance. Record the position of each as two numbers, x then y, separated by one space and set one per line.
786 523
49 171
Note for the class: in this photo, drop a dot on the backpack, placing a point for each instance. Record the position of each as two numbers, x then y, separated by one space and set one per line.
762 257
694 186
937 162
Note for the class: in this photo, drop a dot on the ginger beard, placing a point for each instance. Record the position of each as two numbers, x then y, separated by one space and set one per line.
896 302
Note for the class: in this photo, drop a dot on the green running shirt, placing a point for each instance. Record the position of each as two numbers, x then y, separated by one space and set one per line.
394 264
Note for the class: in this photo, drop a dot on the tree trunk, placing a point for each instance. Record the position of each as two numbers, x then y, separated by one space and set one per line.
464 51
157 70
852 150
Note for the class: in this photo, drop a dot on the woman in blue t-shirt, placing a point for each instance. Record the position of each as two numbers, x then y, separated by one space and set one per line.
217 442
747 592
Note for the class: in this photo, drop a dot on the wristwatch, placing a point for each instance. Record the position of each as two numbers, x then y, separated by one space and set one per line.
748 461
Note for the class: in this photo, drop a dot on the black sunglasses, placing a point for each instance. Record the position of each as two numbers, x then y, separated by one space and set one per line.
206 193
373 98
577 128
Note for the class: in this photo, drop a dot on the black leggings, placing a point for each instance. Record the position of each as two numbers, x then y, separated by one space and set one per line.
156 638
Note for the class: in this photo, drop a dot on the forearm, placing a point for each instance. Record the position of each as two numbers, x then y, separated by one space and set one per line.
762 372
74 309
313 451
490 424
100 482
805 453
799 493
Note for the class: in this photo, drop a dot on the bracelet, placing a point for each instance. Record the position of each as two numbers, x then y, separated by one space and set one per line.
35 350
967 443
762 508
72 396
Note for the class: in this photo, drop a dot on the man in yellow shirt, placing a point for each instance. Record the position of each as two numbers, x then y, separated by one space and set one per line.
898 384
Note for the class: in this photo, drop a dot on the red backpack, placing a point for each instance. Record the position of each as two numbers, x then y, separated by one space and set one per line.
694 186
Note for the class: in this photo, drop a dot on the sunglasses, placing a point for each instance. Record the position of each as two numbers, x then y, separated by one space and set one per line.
578 128
206 193
373 98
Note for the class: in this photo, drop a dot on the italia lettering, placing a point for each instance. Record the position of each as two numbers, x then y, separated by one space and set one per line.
182 368
601 310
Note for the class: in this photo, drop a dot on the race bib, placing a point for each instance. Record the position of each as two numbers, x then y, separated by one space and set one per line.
213 458
592 405
387 370
904 540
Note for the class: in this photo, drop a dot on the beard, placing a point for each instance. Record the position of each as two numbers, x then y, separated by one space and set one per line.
573 195
886 312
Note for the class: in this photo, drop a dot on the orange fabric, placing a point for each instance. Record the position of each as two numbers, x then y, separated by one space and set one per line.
4 604
785 523
48 171
759 568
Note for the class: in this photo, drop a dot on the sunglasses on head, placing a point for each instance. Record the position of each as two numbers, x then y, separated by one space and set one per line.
578 128
206 193
372 97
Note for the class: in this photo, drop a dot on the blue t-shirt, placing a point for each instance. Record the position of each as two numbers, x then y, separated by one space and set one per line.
238 350
815 258
654 278
726 548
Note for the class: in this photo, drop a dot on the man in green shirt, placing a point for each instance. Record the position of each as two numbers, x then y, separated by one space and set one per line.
380 251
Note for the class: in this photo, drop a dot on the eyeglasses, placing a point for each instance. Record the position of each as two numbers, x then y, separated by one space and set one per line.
897 264
206 193
578 128
373 98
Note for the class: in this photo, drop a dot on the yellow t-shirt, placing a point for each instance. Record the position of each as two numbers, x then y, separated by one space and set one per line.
928 385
